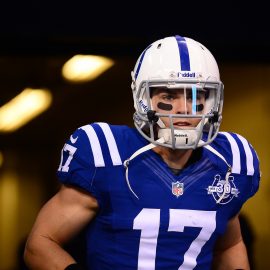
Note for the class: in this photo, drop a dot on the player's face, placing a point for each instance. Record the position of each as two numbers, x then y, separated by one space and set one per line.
179 101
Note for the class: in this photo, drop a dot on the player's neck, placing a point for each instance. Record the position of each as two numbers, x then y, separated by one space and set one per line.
174 158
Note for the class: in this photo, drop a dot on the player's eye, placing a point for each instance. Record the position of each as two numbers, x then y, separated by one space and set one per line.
189 96
199 95
168 97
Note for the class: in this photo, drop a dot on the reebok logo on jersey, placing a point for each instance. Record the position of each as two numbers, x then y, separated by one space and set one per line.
218 187
73 140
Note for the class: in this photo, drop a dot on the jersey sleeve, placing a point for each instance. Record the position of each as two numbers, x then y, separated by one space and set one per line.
257 172
244 160
77 165
90 156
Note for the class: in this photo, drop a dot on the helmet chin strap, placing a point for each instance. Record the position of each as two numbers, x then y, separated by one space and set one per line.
178 137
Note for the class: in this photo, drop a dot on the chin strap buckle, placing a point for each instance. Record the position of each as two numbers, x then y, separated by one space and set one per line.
152 117
214 118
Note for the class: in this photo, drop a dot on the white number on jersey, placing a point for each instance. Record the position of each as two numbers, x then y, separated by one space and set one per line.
148 221
71 150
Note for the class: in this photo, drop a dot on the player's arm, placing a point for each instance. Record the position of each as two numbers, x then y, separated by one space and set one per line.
60 219
230 251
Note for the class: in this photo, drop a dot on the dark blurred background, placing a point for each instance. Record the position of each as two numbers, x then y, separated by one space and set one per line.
37 38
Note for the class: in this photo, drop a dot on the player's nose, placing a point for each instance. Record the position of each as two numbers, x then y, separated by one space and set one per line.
180 105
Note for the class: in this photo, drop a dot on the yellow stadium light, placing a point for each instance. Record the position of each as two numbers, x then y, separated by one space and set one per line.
82 68
23 108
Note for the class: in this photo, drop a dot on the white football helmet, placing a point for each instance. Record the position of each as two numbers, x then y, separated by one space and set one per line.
178 63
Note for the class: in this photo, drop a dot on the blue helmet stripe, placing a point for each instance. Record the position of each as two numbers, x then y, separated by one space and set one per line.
184 54
140 61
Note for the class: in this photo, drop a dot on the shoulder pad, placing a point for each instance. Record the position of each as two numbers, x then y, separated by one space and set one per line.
238 152
103 144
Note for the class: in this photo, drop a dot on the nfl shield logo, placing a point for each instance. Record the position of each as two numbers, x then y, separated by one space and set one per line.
177 188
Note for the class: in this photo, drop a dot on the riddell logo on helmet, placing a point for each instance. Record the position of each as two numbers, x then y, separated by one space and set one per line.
144 107
187 74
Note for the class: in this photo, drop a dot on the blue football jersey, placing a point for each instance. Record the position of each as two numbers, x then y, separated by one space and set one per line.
150 218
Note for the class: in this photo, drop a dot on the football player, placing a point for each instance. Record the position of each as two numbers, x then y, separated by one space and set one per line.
163 195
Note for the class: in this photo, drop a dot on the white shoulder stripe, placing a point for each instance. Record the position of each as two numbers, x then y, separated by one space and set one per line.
236 166
249 156
95 145
214 151
116 159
